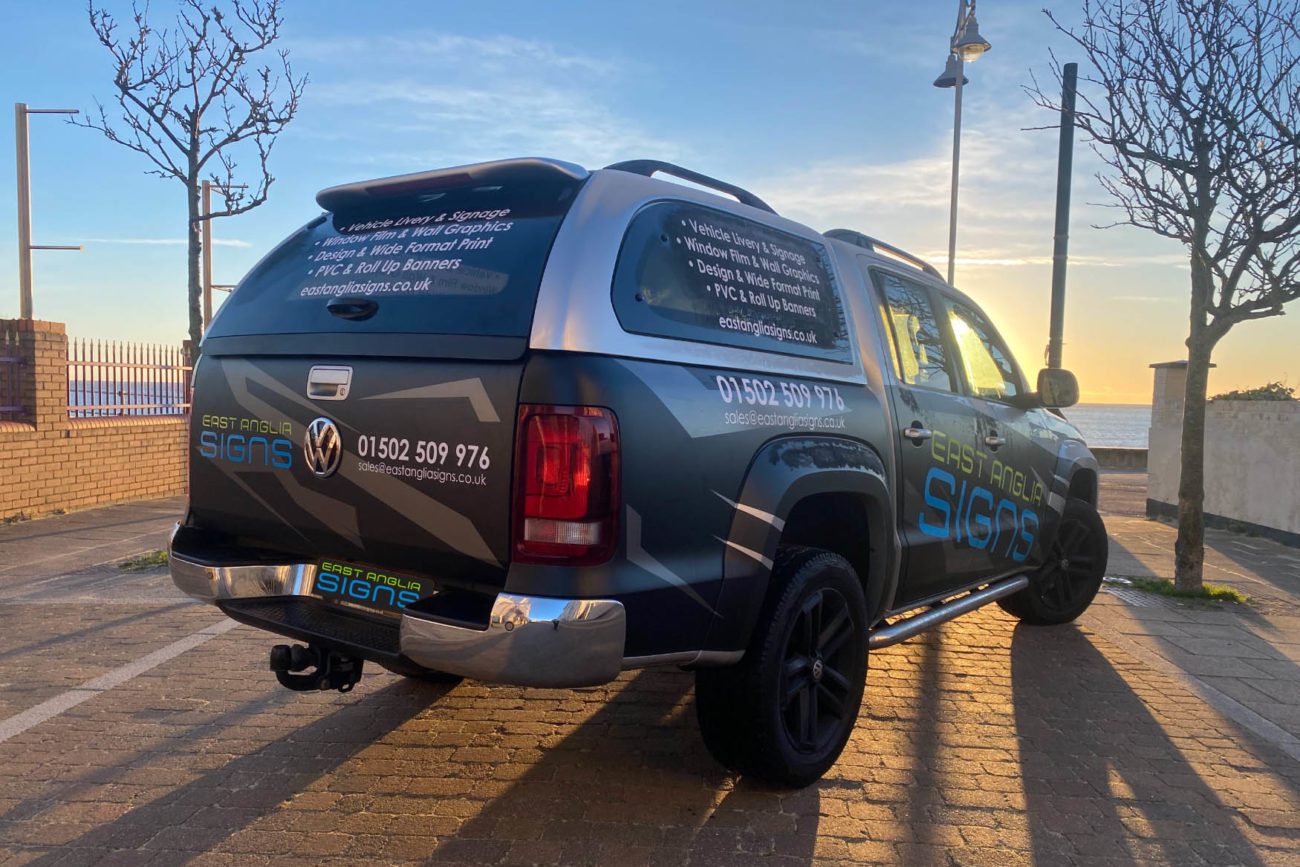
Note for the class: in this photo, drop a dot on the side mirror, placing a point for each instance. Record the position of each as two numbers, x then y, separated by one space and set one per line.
1057 388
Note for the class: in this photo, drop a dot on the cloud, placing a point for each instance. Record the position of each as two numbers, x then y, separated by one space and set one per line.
474 98
1006 202
166 242
493 52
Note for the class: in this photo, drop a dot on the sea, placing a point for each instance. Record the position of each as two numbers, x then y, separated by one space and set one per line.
1112 424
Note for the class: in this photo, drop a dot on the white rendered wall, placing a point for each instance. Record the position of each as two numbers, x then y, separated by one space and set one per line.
1252 455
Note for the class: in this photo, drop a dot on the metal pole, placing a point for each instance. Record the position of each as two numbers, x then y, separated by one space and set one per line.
207 254
25 245
1061 239
956 163
24 213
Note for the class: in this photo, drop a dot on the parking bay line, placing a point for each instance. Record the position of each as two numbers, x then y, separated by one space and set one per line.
50 708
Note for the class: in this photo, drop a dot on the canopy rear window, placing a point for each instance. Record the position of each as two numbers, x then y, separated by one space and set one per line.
694 273
465 261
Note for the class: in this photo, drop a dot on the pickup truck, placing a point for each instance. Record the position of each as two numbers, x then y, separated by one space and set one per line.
532 424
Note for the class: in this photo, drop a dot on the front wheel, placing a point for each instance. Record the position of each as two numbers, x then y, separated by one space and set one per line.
1067 582
785 711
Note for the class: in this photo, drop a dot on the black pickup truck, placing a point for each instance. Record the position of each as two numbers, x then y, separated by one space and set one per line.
533 424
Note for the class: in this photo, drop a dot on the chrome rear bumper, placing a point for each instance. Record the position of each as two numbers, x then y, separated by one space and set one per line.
527 640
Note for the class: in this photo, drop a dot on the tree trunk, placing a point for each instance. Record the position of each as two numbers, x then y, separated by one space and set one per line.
193 252
1189 549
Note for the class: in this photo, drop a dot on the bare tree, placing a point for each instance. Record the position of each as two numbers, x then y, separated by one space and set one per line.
1194 105
193 100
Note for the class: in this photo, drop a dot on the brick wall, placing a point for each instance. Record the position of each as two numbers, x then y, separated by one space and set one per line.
50 462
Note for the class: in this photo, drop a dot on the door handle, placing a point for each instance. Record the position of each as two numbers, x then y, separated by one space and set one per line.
994 441
917 435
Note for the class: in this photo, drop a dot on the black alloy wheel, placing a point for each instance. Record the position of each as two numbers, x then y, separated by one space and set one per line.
1067 582
815 692
784 712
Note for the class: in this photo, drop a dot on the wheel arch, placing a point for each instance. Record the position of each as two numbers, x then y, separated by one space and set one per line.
827 492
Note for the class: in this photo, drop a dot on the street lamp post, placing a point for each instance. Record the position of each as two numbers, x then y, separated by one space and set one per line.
25 245
208 285
966 46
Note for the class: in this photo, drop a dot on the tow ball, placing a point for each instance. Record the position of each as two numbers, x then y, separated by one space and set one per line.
332 670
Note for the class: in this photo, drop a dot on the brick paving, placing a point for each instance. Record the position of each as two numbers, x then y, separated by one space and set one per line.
983 742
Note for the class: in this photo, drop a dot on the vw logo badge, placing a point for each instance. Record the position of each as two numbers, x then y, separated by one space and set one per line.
323 447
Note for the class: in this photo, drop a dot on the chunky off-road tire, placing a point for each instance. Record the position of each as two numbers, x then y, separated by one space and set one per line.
785 711
1068 581
416 672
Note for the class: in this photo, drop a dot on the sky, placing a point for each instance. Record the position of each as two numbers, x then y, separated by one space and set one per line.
826 110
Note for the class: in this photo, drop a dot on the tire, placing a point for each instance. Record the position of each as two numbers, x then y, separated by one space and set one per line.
417 672
1067 582
819 668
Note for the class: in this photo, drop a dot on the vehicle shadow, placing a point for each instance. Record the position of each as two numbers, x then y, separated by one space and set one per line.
634 783
1101 775
218 804
85 632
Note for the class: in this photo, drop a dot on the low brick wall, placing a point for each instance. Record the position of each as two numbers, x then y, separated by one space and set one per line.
49 462
1120 458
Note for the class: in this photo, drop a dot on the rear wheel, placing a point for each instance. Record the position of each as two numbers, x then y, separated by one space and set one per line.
1067 582
784 713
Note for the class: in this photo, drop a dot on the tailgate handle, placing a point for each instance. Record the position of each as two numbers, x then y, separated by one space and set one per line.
328 382
352 308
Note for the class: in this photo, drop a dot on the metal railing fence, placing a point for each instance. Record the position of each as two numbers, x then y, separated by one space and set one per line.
112 378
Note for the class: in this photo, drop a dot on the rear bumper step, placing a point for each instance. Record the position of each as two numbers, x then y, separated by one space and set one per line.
524 640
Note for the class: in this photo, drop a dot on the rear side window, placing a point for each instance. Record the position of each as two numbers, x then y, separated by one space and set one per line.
452 261
695 273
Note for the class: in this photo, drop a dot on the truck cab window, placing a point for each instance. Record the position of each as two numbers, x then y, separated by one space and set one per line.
921 358
985 359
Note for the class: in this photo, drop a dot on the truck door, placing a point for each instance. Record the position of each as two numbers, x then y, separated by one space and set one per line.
1016 470
938 429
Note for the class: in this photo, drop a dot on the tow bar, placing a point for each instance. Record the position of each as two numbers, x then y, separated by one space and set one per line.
333 670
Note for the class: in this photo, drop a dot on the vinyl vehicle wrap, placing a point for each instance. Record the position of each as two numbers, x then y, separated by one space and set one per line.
524 422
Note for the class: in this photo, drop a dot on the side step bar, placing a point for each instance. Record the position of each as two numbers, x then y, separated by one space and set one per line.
904 629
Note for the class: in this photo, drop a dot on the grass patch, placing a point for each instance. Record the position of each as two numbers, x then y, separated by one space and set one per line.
1215 592
144 562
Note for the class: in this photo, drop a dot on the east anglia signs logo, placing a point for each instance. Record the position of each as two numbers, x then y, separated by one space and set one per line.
323 447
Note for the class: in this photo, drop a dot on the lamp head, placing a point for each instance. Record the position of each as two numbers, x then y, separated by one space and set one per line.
952 69
970 45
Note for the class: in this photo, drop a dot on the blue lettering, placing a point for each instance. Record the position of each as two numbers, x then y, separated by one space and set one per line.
979 540
328 582
407 597
281 454
374 594
358 584
266 449
231 442
208 444
1027 535
938 503
1005 507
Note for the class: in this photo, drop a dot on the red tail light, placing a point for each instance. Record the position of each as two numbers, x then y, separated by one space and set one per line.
566 484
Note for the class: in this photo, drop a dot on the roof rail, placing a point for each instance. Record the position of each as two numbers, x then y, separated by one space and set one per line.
867 242
649 168
483 174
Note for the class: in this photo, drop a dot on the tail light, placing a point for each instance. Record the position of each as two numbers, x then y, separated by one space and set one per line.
566 484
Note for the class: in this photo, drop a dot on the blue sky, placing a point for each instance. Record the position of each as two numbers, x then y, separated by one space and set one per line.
824 109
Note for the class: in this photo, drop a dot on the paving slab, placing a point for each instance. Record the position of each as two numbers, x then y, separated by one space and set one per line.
1248 656
983 742
59 544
